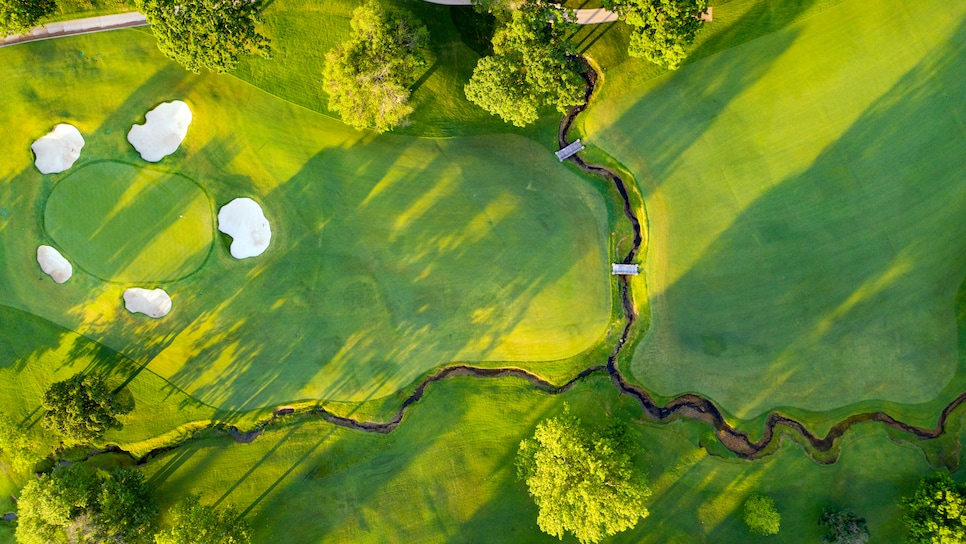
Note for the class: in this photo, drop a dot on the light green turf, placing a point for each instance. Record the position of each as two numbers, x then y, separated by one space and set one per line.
447 475
803 193
130 223
390 255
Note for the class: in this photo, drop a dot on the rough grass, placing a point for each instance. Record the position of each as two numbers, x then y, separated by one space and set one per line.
802 192
447 475
130 223
391 255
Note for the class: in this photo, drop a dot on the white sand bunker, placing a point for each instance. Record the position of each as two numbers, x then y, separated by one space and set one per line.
164 128
243 220
58 150
54 264
154 303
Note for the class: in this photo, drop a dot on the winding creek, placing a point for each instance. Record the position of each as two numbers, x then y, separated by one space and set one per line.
688 406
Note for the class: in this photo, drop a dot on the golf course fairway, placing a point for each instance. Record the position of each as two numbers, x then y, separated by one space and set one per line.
804 197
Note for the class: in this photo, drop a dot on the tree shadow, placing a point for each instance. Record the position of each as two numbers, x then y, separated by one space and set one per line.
852 266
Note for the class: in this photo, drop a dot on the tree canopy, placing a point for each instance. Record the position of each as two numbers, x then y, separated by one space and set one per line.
533 65
500 9
80 408
195 523
843 527
368 77
936 512
663 29
76 504
19 16
209 34
761 516
582 483
15 444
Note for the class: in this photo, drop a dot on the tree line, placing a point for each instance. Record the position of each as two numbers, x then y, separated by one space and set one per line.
534 64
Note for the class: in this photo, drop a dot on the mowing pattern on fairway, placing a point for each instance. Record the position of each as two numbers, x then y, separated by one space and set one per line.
127 223
804 193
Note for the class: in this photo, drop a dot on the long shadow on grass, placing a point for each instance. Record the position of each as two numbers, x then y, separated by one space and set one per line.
675 116
381 268
837 285
442 458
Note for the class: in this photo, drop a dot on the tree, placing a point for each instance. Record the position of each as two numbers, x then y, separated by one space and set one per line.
126 508
195 523
75 504
663 29
210 34
533 65
15 443
582 483
936 512
368 77
500 9
843 527
19 16
80 408
761 516
47 506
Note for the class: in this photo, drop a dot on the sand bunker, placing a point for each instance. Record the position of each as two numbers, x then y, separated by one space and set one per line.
164 128
243 220
58 150
154 303
54 264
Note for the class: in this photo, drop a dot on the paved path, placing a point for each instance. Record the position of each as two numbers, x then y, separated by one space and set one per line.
78 26
132 19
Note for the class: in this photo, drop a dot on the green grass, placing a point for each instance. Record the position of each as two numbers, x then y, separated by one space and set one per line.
303 31
447 475
390 255
130 223
34 353
802 189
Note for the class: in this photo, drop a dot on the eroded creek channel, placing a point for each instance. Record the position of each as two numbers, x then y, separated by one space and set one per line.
688 406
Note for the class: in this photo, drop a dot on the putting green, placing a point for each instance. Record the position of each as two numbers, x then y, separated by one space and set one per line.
804 193
129 223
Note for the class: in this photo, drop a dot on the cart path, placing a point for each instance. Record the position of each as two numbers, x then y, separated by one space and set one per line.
133 19
78 26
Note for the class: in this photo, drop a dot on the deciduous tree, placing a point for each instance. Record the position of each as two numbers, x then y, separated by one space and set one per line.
936 512
195 523
15 444
582 483
80 408
761 516
209 34
75 504
843 527
663 29
533 65
368 77
47 506
126 511
501 9
19 16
